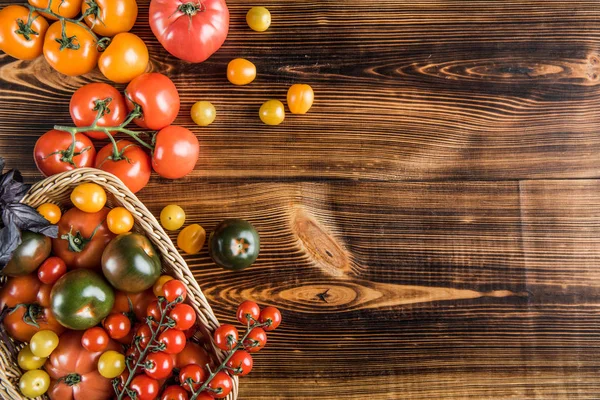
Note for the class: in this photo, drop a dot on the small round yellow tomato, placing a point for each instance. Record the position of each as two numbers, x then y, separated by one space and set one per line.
300 98
258 19
43 343
125 58
272 112
111 364
28 361
172 217
34 383
89 197
158 285
119 220
203 113
241 71
191 239
50 211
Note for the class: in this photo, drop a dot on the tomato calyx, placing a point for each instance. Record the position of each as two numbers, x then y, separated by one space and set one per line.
25 28
32 313
190 9
71 379
68 154
67 42
77 242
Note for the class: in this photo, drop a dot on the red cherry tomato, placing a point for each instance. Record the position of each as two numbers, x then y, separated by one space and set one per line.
117 326
159 365
174 289
174 392
256 340
241 362
153 311
194 372
226 337
184 316
173 340
221 385
175 153
193 353
52 269
145 335
133 167
157 96
50 151
145 387
248 308
272 316
205 396
95 339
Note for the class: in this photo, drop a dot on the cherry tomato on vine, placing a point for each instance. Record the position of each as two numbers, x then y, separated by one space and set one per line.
175 152
51 269
51 152
89 197
226 336
272 112
119 220
248 308
64 8
125 58
95 339
157 95
300 98
184 316
159 365
194 372
256 340
88 99
221 385
241 362
34 383
14 39
109 17
157 289
117 325
28 361
174 341
241 71
203 113
75 56
153 311
174 392
174 289
132 166
191 239
145 334
50 211
43 343
258 19
172 217
193 353
271 315
111 364
145 387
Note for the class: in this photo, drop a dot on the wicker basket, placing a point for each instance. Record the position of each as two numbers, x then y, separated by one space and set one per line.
56 189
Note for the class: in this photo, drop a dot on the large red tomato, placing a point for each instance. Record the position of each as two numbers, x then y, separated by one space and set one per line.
51 152
133 168
157 95
190 30
85 104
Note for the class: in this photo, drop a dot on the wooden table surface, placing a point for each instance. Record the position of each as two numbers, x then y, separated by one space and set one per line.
443 191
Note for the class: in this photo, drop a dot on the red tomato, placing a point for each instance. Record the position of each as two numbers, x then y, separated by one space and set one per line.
133 304
95 339
175 152
51 269
145 334
157 96
188 30
221 385
226 337
88 99
132 167
272 316
19 324
184 316
159 365
241 362
174 289
51 152
173 340
205 396
256 340
192 353
248 309
145 387
117 325
43 295
194 372
174 392
153 311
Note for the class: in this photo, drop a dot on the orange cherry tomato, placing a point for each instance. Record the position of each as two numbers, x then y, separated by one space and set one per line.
241 71
79 52
119 220
50 211
191 239
109 17
17 41
64 8
125 58
300 98
157 289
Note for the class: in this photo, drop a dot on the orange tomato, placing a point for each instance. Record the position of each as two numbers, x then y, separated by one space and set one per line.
16 41
125 58
109 17
300 98
241 71
77 58
64 8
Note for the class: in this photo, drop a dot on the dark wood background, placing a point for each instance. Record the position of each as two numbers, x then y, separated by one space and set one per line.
443 190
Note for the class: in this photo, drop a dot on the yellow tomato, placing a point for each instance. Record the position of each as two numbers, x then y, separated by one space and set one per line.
119 220
191 239
272 112
43 343
111 364
241 71
258 19
125 58
28 361
34 383
172 217
300 98
89 197
203 113
158 285
50 211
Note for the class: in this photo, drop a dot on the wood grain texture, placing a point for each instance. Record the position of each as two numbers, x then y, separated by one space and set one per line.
442 192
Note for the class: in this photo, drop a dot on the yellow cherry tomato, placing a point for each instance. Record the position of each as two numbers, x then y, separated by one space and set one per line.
50 211
34 383
125 58
28 361
300 98
241 71
172 217
203 113
88 197
111 364
158 285
258 19
119 220
272 112
43 343
191 239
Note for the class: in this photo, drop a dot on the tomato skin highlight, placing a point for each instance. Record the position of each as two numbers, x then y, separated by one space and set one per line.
15 44
49 162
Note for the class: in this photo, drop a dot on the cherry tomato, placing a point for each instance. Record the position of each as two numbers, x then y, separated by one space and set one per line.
51 269
145 334
111 364
174 392
50 211
172 217
234 244
89 197
117 325
119 220
248 309
271 315
50 150
184 316
174 289
43 343
134 305
226 336
272 112
241 71
14 40
194 372
154 311
95 339
193 353
191 239
64 8
77 58
88 99
34 383
132 166
145 387
43 296
109 17
258 19
221 385
256 340
175 152
205 396
157 96
203 113
300 98
157 289
159 365
241 362
173 340
28 361
125 58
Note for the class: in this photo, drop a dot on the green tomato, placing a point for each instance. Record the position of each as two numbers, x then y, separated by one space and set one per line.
111 364
30 254
130 263
80 299
203 113
43 343
28 361
234 244
34 383
172 217
258 19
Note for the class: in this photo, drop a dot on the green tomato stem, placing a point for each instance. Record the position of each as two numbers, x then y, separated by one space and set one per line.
48 10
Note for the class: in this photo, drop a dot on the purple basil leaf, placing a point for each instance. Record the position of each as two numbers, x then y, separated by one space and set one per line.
26 218
1 165
12 188
10 239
